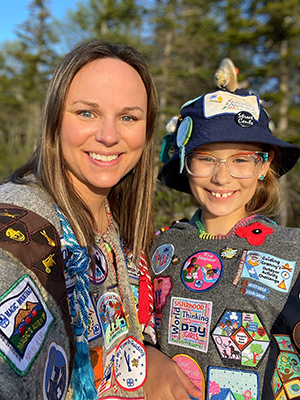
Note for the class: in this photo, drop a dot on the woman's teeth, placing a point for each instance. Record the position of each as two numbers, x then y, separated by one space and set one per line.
101 157
215 194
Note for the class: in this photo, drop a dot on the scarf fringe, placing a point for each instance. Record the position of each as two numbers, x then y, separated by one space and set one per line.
83 375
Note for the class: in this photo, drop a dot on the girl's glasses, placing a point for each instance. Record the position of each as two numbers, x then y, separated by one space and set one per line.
240 165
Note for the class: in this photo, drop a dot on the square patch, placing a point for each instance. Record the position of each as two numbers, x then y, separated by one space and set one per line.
232 384
24 323
189 323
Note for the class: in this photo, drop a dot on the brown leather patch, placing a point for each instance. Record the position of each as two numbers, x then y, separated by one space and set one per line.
36 244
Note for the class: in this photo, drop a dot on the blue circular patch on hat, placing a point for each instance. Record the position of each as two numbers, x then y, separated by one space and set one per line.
245 119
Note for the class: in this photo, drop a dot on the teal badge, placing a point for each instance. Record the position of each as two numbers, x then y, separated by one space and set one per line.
183 136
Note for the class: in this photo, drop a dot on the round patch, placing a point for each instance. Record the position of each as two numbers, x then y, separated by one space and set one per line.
201 271
296 334
184 131
130 364
56 373
162 258
189 366
244 119
99 275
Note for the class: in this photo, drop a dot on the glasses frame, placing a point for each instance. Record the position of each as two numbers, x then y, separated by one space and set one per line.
263 155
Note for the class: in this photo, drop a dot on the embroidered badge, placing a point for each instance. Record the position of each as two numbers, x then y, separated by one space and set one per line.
135 296
241 339
189 323
232 384
112 317
24 323
94 328
189 366
286 377
254 233
9 214
56 373
107 372
48 265
162 258
70 281
296 335
220 103
17 232
201 271
133 270
229 252
269 270
252 289
96 361
98 276
162 287
45 236
158 320
130 364
244 119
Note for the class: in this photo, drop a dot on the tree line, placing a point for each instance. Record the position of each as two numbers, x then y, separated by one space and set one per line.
183 42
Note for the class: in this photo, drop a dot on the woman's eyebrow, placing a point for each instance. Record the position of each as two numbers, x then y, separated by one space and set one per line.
88 103
128 109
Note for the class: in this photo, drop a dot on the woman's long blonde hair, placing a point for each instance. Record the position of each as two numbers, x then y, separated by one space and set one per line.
131 199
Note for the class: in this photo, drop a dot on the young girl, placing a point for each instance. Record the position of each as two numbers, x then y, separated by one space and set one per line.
228 311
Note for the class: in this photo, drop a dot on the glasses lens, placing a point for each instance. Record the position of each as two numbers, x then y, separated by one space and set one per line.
201 164
244 165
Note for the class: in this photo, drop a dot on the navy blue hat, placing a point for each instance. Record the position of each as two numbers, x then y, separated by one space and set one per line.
217 117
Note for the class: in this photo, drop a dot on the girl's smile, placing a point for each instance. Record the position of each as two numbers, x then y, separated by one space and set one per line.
222 195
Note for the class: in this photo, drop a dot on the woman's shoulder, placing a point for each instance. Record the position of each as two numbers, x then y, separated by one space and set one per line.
29 197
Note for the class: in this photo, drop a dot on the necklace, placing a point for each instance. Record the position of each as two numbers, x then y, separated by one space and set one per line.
201 230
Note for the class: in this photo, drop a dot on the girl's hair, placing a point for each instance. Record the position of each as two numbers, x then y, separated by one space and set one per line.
266 199
131 199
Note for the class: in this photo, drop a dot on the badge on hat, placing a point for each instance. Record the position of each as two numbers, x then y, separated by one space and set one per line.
183 136
168 140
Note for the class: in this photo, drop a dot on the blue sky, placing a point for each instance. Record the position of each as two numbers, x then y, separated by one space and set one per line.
14 12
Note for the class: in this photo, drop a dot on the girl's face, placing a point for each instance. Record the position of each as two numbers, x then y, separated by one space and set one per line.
221 195
104 125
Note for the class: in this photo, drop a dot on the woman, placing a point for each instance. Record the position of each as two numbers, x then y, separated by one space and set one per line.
233 324
74 220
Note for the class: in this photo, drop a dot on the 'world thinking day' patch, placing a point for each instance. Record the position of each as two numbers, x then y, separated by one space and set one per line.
189 323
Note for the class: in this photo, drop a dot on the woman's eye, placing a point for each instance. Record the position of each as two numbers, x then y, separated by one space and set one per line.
86 114
128 118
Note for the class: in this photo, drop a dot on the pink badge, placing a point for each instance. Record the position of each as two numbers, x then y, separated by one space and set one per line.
192 370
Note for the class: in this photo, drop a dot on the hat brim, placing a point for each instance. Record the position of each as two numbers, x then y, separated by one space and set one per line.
287 156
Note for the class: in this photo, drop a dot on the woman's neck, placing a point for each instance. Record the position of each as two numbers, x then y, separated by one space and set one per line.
96 203
221 225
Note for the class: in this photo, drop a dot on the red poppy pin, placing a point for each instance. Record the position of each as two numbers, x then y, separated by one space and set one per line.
254 233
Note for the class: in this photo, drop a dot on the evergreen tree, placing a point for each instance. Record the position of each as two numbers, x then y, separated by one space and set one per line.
24 73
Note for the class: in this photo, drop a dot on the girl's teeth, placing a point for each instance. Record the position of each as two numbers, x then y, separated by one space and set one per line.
224 195
104 158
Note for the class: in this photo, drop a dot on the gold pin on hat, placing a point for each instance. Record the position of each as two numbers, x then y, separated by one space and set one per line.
226 75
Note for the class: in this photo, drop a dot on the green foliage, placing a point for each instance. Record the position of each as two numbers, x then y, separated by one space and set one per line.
183 42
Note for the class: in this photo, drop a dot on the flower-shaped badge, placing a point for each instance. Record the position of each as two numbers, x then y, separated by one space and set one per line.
254 233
